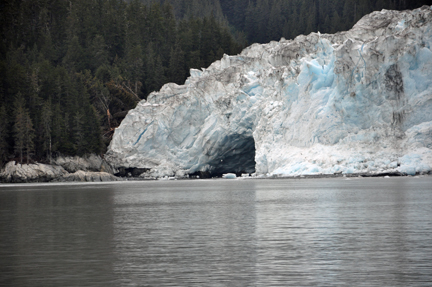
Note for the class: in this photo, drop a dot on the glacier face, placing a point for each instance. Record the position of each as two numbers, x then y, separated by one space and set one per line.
353 102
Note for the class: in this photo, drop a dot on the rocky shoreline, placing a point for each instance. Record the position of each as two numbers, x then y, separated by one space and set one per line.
95 169
91 168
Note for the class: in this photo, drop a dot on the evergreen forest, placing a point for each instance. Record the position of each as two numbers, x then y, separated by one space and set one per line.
71 70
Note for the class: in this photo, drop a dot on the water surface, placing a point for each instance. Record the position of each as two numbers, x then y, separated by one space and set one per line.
292 232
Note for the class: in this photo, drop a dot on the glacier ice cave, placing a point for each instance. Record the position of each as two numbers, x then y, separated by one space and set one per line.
358 101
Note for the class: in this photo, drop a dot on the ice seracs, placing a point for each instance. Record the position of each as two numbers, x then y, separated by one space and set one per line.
352 102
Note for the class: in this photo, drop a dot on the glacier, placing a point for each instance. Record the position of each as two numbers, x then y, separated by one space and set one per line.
353 102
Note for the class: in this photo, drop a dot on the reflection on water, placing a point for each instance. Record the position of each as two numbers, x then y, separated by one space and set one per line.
55 235
326 232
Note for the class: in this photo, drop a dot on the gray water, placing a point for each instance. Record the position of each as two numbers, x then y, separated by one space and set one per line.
308 232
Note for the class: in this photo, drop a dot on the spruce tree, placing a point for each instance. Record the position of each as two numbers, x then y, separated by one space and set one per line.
19 126
336 24
46 129
150 84
79 140
348 14
135 70
28 136
23 132
73 59
58 130
274 27
176 65
98 53
4 134
159 74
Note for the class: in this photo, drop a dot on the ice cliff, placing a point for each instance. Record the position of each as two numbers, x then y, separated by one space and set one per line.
354 102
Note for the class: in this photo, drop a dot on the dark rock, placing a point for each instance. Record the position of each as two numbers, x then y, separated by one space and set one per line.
131 171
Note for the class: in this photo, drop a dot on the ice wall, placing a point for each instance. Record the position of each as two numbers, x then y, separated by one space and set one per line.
356 101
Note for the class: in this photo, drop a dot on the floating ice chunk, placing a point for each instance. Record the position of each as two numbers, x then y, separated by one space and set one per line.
229 175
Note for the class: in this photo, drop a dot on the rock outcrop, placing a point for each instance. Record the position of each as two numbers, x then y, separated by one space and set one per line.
20 173
91 168
90 162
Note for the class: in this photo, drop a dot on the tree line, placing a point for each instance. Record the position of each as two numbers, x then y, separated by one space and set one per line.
261 21
265 20
71 70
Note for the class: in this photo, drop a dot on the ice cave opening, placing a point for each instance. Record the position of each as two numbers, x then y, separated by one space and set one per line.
236 155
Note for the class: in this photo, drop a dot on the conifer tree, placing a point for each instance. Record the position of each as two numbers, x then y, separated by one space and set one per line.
98 53
275 22
311 23
58 130
78 132
18 127
47 48
176 65
150 68
207 41
73 59
159 74
92 130
336 24
348 14
28 136
135 64
22 129
46 129
250 23
4 125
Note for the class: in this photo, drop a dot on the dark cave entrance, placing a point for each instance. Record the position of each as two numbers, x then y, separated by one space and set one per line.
235 154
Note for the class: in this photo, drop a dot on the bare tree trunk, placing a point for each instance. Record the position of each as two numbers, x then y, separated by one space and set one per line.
50 152
109 118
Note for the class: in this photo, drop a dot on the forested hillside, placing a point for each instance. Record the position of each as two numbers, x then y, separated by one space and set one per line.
266 20
71 69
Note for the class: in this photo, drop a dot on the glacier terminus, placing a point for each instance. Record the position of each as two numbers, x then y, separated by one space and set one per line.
358 101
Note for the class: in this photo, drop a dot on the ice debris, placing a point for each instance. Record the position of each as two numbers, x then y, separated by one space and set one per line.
229 175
